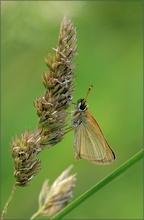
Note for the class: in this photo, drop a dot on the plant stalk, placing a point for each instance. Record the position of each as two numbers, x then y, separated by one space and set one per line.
100 184
8 202
35 215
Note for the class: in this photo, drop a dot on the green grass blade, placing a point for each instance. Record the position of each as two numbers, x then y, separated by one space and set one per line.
100 184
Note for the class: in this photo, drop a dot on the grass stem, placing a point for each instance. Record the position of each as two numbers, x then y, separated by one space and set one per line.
8 202
134 159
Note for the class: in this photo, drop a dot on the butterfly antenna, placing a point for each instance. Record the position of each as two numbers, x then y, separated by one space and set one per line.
88 91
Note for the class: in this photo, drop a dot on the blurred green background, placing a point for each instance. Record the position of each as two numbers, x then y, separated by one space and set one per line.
109 57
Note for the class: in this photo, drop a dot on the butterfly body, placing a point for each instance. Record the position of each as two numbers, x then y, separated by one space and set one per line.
89 141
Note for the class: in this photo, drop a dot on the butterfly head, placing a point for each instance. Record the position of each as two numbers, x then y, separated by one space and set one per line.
81 105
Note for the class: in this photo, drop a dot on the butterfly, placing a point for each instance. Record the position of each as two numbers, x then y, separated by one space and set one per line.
89 141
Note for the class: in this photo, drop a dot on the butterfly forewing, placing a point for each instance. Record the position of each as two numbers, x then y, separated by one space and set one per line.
90 143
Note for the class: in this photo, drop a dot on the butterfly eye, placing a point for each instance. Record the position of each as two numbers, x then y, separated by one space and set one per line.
82 105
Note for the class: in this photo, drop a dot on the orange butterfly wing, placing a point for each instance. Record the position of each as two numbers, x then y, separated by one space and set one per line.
90 143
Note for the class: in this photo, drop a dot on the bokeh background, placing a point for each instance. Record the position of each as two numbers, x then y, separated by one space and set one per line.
109 57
